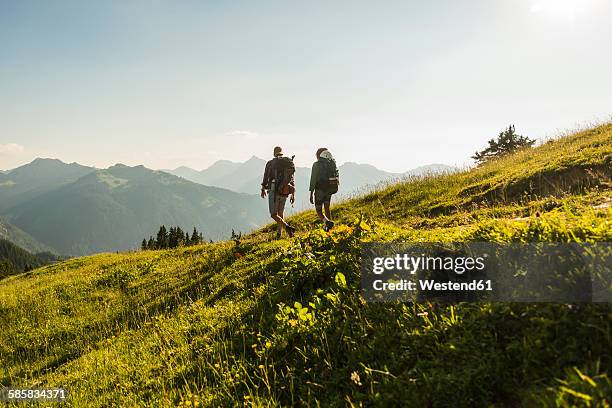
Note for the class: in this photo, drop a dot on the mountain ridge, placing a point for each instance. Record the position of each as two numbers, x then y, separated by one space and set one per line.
26 182
42 200
112 209
246 177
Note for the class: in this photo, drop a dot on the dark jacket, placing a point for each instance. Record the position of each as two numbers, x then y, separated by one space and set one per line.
315 174
268 176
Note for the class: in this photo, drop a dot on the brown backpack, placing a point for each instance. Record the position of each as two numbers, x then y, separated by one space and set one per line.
284 169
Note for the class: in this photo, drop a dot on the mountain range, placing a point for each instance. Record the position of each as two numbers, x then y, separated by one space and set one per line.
246 177
76 210
71 209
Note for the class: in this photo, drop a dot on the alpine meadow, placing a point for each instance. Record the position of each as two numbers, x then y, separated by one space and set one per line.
255 321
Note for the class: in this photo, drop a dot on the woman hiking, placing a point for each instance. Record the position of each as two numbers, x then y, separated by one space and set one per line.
324 181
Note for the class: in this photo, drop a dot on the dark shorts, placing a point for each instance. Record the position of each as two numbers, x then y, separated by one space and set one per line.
322 197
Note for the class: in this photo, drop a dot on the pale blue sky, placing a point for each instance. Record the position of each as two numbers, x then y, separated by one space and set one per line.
393 84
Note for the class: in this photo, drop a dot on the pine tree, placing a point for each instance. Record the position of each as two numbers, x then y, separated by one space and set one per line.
187 239
507 141
162 238
180 237
172 241
151 244
196 238
144 246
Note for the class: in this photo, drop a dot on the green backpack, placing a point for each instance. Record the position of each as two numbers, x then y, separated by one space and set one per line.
328 176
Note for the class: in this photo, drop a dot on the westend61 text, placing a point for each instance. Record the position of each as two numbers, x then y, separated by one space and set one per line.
430 285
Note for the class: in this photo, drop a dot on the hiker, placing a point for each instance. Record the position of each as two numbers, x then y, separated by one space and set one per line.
324 181
279 184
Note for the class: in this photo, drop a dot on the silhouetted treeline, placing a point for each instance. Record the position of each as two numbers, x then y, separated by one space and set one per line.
173 238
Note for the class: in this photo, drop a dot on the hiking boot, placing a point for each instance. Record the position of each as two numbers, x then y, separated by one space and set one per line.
329 225
290 231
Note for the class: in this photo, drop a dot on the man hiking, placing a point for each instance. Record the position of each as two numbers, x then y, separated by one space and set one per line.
324 181
278 183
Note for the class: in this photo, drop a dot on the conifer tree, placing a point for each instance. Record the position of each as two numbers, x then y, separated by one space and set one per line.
180 237
162 238
151 244
172 241
196 237
144 246
507 142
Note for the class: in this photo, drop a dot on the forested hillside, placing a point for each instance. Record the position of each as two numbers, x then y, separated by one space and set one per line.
14 259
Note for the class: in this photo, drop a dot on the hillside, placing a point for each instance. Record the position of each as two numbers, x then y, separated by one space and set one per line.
20 238
267 322
113 209
14 259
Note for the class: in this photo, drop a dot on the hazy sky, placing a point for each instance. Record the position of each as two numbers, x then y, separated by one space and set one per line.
393 84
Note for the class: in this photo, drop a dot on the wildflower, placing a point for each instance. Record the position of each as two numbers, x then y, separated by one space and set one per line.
355 378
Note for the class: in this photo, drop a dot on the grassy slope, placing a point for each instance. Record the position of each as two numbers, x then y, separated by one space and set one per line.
219 324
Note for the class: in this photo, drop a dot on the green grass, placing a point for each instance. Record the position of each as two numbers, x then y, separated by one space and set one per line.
268 322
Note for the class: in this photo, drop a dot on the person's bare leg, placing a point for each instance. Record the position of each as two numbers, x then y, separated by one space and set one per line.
319 209
327 210
278 217
279 220
329 224
280 211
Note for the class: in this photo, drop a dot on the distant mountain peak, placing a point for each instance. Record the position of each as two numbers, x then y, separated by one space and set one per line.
41 160
184 168
48 165
363 165
254 159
